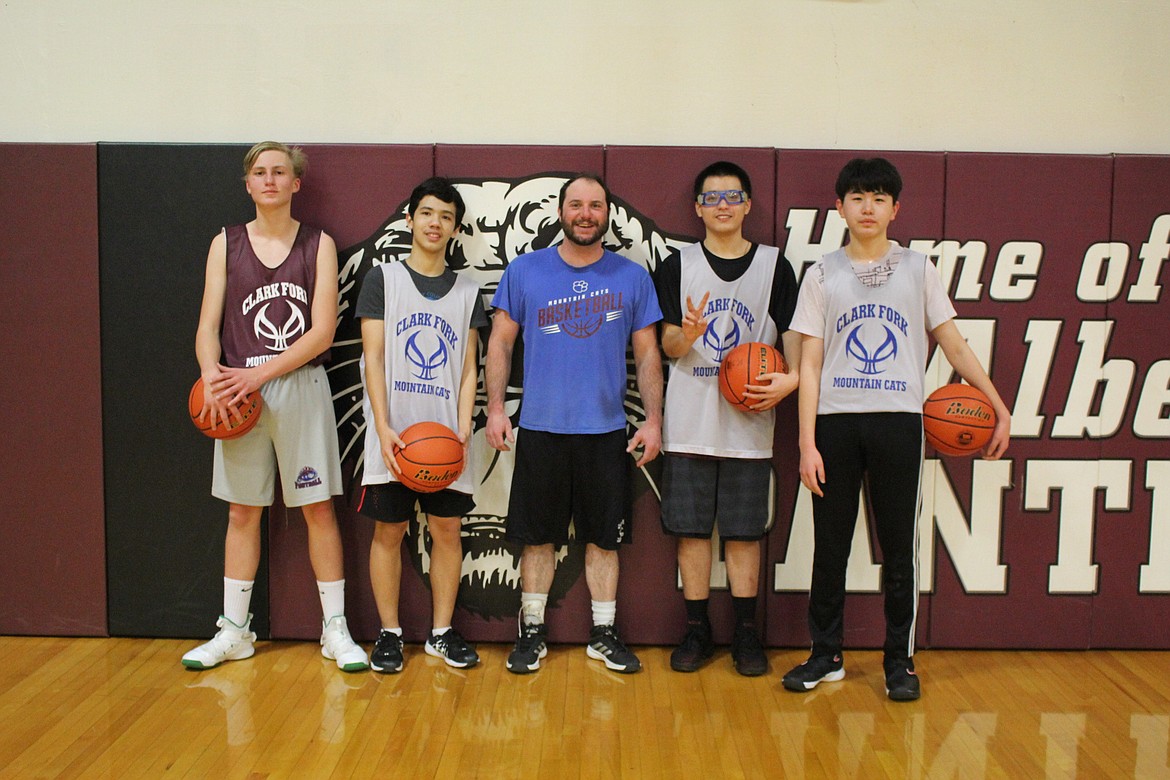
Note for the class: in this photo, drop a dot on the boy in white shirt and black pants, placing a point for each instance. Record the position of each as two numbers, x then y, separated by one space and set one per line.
865 312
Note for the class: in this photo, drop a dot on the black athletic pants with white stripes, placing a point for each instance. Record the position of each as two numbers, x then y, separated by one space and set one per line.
883 452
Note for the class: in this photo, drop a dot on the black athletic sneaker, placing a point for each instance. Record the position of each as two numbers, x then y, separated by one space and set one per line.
748 653
530 648
902 682
817 669
453 649
696 648
604 645
387 655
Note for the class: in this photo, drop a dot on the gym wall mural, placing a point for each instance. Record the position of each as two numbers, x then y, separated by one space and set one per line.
1055 265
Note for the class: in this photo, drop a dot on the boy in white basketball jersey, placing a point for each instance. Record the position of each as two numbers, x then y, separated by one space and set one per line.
715 295
420 358
856 430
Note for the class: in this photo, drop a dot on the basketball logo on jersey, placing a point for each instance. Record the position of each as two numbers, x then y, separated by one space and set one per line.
719 345
871 358
283 335
871 349
427 343
730 320
426 361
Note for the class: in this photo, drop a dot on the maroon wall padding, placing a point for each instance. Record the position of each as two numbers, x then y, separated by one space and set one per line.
53 534
460 161
347 187
805 179
1062 203
1125 541
1071 207
348 191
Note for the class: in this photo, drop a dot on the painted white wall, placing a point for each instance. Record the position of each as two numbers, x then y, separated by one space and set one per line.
996 75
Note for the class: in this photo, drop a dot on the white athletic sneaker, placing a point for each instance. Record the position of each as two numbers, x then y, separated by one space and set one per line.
232 643
337 645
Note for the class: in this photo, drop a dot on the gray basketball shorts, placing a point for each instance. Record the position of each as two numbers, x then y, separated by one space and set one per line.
736 493
295 436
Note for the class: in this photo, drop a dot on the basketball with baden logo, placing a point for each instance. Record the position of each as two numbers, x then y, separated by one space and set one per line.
249 410
958 419
743 366
432 458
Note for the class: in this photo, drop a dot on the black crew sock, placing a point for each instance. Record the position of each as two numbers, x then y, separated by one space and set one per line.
697 611
745 611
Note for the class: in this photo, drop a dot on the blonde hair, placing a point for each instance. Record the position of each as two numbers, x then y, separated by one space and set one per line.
296 156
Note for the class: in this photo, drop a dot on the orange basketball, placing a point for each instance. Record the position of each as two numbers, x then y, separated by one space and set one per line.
743 366
249 409
432 458
958 419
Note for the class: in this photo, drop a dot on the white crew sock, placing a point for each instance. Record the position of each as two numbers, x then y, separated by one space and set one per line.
332 598
604 612
440 631
237 598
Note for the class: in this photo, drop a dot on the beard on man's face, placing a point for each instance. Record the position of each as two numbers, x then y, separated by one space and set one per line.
583 232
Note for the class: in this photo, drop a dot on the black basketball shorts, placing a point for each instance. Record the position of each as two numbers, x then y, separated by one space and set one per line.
393 502
563 477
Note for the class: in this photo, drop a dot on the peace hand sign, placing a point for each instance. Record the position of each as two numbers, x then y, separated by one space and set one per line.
694 324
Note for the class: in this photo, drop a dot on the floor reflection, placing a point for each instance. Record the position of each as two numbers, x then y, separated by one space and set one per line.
233 685
981 715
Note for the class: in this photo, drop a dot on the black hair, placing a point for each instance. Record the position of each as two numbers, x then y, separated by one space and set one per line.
723 168
442 189
869 174
587 177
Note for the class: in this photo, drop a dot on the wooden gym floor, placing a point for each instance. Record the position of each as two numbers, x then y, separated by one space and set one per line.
125 708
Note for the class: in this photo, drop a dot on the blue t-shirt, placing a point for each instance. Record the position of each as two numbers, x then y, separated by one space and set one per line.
576 324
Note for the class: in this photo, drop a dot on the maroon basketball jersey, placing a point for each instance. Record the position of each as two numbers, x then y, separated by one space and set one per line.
267 309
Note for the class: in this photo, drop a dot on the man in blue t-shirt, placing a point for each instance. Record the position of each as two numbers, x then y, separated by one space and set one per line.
578 307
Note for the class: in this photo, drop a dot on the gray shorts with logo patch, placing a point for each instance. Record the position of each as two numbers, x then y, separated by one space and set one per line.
296 435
